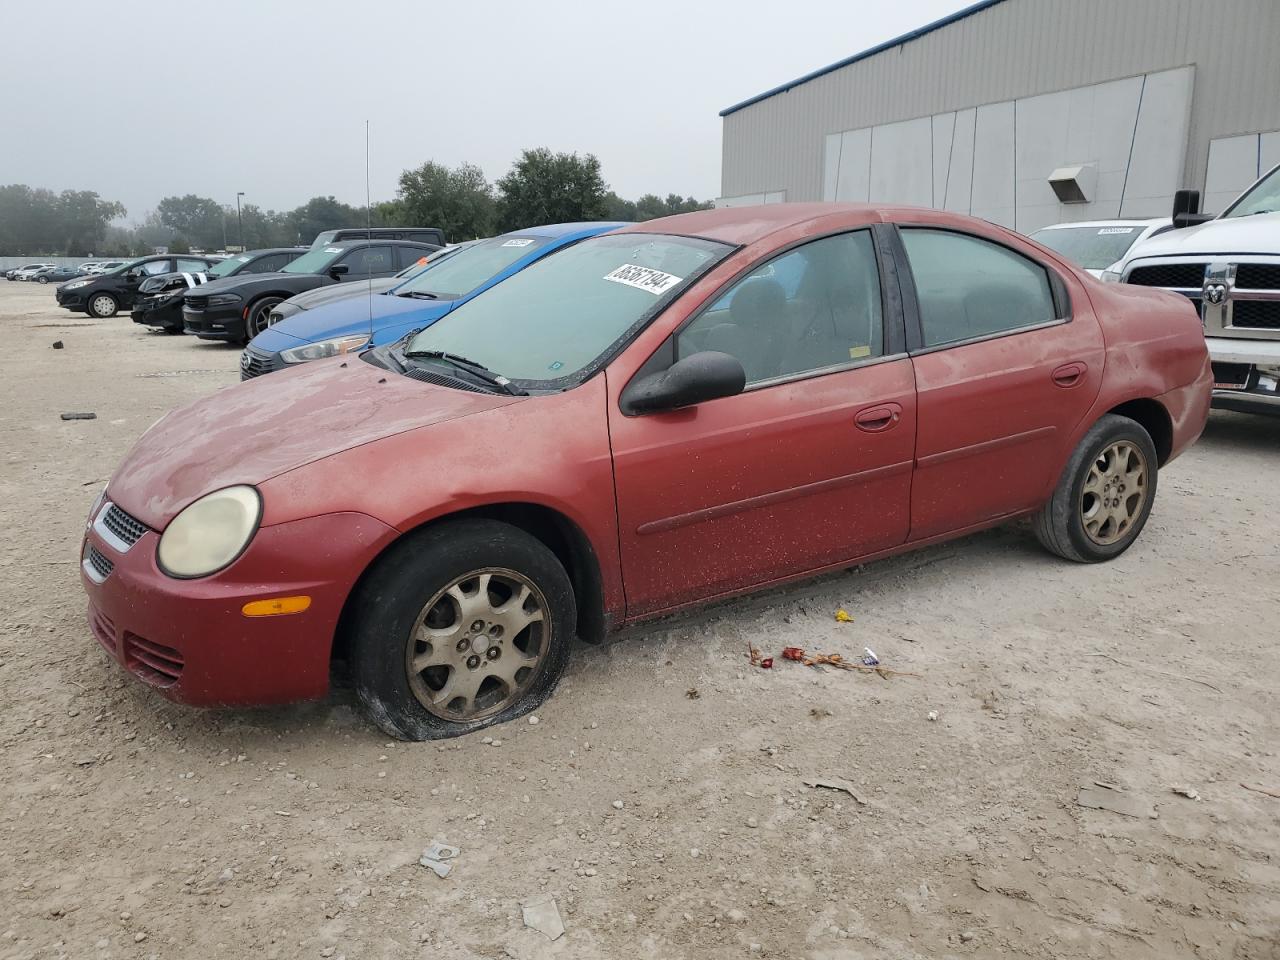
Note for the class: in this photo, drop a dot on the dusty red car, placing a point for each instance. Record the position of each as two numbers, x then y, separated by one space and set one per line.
679 411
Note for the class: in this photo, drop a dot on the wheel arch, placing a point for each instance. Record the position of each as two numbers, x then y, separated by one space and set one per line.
1151 415
559 533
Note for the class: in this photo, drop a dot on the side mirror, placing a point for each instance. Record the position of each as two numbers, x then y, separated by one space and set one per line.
703 376
1186 209
339 270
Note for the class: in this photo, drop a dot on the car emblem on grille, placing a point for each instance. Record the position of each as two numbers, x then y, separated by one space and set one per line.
1215 293
245 360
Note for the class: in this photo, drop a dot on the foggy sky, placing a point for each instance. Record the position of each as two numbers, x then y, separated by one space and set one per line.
139 100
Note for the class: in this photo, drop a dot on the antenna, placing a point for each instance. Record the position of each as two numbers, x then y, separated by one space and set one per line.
368 222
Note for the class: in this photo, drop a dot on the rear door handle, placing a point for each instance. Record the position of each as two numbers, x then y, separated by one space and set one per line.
880 417
1069 374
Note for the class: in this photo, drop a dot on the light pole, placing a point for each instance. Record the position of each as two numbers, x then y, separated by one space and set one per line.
239 221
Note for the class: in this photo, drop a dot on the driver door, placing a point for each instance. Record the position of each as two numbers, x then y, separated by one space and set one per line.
809 466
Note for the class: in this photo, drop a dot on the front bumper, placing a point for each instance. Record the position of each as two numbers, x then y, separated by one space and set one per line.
190 641
72 299
1246 374
160 311
214 323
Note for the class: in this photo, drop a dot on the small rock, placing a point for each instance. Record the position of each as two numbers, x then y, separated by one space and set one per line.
755 948
57 344
103 943
496 743
224 903
967 936
533 721
752 822
618 804
226 875
487 740
139 937
327 952
695 853
933 714
736 916
126 915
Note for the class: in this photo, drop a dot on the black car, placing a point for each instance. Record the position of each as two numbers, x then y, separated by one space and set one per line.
237 308
328 238
56 275
104 295
159 300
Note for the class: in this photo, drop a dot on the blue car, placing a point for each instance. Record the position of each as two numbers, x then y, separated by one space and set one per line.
354 323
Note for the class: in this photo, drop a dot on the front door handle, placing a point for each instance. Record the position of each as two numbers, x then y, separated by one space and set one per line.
1069 374
880 417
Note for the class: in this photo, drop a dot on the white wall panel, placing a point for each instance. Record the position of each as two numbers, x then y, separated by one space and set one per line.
1269 151
902 163
854 179
960 175
943 127
993 170
1159 144
1233 165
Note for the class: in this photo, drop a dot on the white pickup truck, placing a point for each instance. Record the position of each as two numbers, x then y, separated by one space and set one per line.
1230 269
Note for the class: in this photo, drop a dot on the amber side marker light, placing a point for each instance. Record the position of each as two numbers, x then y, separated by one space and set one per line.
276 607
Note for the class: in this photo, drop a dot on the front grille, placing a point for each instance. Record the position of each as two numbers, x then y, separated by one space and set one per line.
196 302
104 631
1256 314
125 527
100 563
1186 276
254 363
153 663
1258 276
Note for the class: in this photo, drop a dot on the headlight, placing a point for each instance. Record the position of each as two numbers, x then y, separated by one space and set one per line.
97 505
210 533
324 348
1112 273
224 299
77 284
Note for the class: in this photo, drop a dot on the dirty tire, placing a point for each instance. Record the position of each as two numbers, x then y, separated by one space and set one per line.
390 601
1060 523
259 316
102 306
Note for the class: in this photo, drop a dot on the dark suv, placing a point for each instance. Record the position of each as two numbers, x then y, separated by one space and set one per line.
418 234
104 295
238 308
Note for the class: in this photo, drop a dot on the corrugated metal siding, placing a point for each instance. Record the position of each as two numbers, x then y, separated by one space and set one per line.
1016 49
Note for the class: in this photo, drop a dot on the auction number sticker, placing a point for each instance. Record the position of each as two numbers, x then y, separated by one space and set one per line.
1108 231
643 278
332 249
518 242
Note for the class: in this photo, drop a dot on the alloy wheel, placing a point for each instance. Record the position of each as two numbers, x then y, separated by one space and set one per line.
260 318
1114 492
478 644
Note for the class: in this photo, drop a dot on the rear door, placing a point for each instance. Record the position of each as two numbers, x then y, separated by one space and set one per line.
375 260
809 466
1008 360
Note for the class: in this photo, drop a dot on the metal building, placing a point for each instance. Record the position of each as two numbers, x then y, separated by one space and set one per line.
1027 112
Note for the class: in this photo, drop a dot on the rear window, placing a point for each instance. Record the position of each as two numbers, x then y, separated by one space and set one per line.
1094 248
463 272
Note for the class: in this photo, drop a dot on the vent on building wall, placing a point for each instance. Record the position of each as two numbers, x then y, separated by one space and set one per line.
1074 184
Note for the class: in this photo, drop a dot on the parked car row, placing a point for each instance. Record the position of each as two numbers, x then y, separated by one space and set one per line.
568 429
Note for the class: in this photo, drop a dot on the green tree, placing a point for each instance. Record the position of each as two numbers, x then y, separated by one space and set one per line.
459 201
319 214
615 208
546 187
84 217
200 220
179 245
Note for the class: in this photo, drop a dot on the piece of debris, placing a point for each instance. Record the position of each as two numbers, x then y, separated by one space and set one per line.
542 914
836 783
1104 798
57 344
618 804
799 655
436 858
533 721
79 416
819 713
869 658
933 715
764 663
1187 792
692 693
87 760
283 813
842 616
1262 790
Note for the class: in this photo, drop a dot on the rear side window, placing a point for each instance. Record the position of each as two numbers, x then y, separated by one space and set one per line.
969 288
411 256
191 266
365 260
269 264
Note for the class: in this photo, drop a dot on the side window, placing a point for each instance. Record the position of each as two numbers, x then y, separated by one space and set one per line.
968 287
191 266
814 307
366 260
269 264
157 266
408 256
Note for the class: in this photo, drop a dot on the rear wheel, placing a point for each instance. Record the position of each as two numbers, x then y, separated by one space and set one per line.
259 317
102 306
42 279
1104 496
459 627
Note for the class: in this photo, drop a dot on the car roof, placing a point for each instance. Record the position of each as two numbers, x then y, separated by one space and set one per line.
745 225
382 241
554 230
1153 222
266 250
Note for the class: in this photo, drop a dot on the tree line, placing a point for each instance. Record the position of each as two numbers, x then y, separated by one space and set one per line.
541 187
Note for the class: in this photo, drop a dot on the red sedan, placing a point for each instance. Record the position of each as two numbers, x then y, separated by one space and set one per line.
679 411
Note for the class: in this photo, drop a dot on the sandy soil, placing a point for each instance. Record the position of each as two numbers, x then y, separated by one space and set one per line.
131 827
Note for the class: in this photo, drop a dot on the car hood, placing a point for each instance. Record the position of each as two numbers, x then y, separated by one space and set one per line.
1230 237
253 431
356 315
342 291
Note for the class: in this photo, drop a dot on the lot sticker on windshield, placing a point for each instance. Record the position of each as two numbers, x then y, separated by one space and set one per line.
643 278
1105 231
517 243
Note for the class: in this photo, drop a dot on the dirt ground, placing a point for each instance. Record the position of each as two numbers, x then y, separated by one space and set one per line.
660 799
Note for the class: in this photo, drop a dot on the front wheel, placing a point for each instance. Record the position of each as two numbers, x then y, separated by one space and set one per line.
459 627
102 306
1105 494
259 317
42 279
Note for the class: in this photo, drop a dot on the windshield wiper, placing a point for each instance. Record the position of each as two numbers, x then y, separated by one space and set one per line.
419 295
477 370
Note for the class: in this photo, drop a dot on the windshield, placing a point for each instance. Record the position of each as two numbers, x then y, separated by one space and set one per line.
1094 248
314 261
464 271
559 315
1262 197
324 238
227 267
